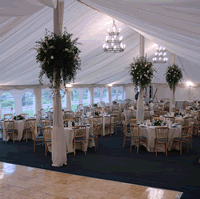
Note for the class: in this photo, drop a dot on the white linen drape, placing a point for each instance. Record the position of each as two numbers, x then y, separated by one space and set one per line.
59 155
18 36
168 23
140 107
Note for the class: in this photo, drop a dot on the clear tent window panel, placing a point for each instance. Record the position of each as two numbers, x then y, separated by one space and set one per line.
74 99
105 96
47 100
86 97
96 96
113 94
7 104
28 104
120 94
63 99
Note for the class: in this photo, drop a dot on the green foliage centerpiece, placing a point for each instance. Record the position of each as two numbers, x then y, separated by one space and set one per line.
141 72
59 60
173 77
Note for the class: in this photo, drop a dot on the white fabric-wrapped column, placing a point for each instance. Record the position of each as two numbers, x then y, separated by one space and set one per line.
140 104
69 98
109 97
59 154
172 100
189 94
91 90
38 99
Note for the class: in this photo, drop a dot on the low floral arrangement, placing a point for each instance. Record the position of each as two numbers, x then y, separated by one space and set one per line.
19 117
95 105
96 113
66 124
161 101
194 108
173 76
59 60
141 72
159 123
178 114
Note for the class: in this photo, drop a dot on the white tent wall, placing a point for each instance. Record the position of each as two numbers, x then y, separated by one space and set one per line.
18 95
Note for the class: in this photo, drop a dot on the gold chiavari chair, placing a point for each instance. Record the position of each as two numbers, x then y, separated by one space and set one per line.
10 129
186 137
78 113
8 116
27 128
136 138
77 119
113 123
107 109
45 123
47 138
119 121
158 118
198 126
179 121
187 120
79 136
36 138
162 134
99 120
126 134
94 136
133 121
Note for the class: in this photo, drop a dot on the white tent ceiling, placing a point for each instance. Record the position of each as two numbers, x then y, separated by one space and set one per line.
175 25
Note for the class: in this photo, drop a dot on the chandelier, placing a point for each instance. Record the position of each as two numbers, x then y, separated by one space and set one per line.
113 43
160 55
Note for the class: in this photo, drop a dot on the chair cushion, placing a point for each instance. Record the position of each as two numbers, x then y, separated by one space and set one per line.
112 124
141 137
39 126
28 129
39 138
128 134
91 136
79 138
161 140
10 130
177 138
48 140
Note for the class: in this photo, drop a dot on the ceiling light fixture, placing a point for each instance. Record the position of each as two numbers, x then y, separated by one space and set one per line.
160 55
113 43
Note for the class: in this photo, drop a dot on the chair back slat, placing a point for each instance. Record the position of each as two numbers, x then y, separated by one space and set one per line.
80 131
162 132
134 130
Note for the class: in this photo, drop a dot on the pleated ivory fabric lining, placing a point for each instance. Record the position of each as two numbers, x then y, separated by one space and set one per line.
174 24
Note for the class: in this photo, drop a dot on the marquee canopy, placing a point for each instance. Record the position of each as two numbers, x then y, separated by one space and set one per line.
174 24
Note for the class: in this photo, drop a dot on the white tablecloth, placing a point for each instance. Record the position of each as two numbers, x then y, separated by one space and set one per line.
19 125
69 135
149 133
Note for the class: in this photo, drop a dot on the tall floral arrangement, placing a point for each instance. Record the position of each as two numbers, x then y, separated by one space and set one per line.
173 76
59 60
141 72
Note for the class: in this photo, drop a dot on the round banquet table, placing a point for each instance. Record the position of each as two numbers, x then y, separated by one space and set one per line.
19 125
149 133
69 135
